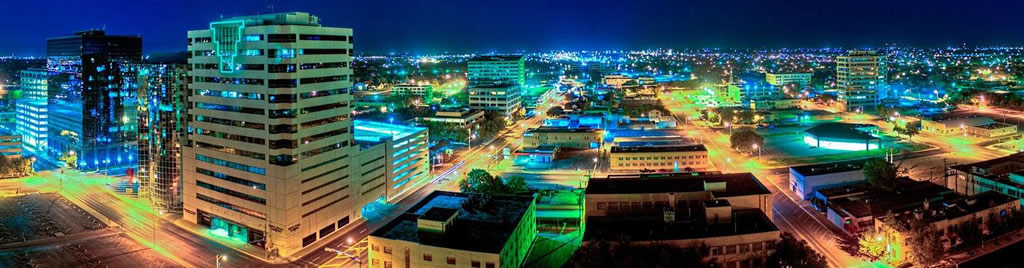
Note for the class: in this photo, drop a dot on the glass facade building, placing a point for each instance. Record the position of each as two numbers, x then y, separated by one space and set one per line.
93 99
161 121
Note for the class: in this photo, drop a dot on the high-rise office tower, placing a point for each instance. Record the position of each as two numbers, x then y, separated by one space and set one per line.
31 110
163 80
92 95
860 76
270 132
495 83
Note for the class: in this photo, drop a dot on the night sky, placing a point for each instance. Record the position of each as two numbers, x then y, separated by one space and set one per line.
401 26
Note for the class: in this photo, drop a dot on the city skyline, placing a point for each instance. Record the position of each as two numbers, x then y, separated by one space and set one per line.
467 26
267 133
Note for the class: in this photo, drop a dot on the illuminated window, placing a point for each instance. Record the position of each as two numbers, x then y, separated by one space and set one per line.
252 38
252 52
281 53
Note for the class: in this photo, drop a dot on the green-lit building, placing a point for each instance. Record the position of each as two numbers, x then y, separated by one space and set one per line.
449 229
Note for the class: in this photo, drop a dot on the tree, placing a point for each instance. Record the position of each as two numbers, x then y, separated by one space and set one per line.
458 99
910 131
493 123
885 111
744 139
482 182
517 184
880 174
440 131
15 167
555 111
871 245
824 98
925 246
71 159
795 253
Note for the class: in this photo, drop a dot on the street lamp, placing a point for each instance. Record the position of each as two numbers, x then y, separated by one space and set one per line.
156 225
758 148
221 258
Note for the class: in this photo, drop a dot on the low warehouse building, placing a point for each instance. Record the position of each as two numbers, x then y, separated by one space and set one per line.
842 136
805 180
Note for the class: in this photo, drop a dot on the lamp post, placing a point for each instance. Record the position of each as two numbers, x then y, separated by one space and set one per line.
220 258
156 224
758 148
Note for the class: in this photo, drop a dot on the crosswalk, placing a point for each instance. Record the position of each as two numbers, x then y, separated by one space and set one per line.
357 249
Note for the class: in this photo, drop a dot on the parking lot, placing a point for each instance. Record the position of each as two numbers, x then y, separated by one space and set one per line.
37 216
47 230
108 251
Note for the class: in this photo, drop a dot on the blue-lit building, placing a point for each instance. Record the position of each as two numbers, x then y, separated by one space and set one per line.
753 91
92 98
161 120
31 110
393 159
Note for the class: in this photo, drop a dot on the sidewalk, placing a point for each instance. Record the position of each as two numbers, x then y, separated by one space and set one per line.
987 246
257 252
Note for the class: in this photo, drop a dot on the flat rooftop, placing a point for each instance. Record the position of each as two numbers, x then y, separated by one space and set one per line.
484 229
497 58
840 131
545 149
612 228
413 85
659 148
994 125
288 18
854 189
561 130
954 121
655 141
953 209
829 168
736 184
908 193
373 131
1011 163
455 113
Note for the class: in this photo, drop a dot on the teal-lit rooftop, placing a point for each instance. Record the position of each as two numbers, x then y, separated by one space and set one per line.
289 18
372 131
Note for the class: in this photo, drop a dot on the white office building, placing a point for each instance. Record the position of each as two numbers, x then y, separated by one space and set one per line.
800 80
860 76
31 110
495 83
270 142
